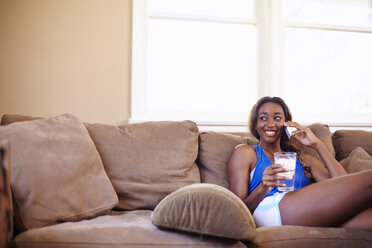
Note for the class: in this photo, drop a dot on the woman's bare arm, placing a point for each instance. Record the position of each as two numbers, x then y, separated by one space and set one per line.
332 167
241 163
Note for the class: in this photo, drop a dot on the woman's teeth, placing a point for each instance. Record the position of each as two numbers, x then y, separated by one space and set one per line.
270 133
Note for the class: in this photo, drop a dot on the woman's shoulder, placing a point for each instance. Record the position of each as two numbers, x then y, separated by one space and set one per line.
243 154
244 148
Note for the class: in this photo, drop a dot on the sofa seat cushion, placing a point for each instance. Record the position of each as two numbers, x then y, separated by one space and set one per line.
56 172
119 229
310 237
147 161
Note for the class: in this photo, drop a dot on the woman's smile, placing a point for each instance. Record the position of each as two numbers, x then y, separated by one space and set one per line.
270 132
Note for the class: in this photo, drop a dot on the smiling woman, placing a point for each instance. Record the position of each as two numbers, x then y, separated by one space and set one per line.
256 179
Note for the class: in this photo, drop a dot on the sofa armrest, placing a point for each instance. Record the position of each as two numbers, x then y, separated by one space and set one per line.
6 213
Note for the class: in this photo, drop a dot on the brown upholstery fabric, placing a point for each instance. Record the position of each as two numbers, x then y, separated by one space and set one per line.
345 141
205 209
310 237
147 161
56 172
358 160
123 229
214 152
6 220
9 118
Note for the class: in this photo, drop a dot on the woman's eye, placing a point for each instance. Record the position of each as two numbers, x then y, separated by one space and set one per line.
278 118
263 118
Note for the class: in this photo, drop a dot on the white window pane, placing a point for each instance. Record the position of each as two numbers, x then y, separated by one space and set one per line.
201 67
221 8
328 72
337 12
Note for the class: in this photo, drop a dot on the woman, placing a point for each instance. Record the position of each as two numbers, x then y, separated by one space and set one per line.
336 199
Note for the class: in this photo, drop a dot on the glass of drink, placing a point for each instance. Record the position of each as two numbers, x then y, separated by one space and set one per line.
288 160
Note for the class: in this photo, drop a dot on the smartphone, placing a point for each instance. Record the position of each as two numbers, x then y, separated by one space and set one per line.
288 131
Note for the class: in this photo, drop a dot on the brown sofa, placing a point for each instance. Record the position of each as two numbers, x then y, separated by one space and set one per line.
153 184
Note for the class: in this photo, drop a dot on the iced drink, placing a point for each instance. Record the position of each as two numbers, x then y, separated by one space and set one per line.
288 160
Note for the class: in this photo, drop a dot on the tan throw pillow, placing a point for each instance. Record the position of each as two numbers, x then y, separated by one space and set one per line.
345 141
214 153
56 172
147 161
207 209
358 160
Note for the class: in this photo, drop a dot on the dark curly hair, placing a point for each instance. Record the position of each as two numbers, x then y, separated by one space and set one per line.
285 143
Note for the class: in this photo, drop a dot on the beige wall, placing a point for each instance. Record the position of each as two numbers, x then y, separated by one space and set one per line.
59 56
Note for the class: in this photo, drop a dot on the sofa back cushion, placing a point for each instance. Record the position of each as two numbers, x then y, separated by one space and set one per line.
216 148
214 152
56 172
147 161
345 141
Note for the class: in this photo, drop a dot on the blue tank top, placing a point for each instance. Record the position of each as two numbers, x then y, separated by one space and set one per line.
263 161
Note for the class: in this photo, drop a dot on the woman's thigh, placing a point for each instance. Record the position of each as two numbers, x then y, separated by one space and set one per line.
328 203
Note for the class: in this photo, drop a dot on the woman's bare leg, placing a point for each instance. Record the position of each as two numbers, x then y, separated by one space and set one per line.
334 202
363 220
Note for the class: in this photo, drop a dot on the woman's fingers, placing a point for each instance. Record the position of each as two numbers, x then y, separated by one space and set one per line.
293 124
277 168
301 131
274 169
276 177
270 182
273 175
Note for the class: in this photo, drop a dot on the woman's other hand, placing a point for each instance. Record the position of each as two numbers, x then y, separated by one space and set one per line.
303 134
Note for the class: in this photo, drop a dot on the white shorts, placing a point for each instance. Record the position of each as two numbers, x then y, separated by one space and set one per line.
267 212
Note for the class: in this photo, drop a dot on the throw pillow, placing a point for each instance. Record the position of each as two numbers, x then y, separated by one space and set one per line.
358 160
147 161
345 141
206 209
214 153
56 172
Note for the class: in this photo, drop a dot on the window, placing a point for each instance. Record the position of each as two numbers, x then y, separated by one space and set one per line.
328 52
210 60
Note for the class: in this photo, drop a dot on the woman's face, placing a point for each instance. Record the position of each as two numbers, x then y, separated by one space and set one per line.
270 122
